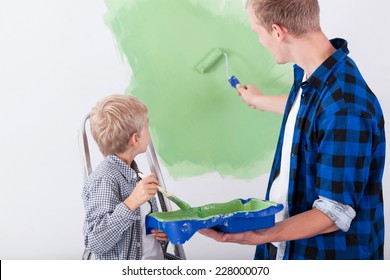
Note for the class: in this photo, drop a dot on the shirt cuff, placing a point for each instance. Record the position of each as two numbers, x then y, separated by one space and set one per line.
341 214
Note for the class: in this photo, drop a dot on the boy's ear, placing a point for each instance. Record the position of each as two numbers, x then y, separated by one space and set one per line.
133 140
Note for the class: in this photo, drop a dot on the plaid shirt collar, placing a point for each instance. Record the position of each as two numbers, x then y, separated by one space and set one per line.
321 75
128 173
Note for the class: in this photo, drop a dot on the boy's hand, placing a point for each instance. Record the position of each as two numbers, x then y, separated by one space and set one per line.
159 234
144 190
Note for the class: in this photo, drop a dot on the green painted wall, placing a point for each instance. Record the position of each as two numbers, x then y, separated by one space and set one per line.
197 121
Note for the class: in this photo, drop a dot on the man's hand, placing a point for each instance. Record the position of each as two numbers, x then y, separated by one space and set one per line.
246 238
251 95
255 98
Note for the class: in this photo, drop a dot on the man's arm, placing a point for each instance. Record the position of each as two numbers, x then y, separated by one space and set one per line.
304 225
254 98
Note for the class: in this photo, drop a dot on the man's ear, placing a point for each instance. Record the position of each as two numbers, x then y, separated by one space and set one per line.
279 30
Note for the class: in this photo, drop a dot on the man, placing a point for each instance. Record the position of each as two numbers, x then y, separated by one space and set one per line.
329 161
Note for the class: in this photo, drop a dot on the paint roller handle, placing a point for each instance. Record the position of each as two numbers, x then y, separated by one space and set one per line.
233 81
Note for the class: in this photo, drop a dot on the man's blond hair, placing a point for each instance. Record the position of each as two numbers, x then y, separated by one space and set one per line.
114 119
298 16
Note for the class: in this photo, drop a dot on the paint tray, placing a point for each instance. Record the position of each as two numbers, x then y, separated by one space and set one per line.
238 215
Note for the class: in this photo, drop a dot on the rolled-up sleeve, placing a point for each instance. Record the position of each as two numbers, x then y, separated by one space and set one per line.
341 214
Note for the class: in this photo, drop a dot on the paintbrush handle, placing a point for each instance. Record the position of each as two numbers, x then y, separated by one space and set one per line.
164 192
182 205
160 189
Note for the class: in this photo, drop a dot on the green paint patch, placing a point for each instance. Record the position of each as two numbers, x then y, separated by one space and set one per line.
197 122
215 209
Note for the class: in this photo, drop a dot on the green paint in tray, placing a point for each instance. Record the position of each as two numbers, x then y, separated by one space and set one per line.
234 216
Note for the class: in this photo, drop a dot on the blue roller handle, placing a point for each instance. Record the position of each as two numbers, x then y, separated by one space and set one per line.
233 81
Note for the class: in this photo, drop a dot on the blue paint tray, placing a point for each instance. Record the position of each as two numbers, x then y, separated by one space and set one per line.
238 215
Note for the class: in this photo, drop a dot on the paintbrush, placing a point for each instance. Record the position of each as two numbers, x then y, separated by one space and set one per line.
182 205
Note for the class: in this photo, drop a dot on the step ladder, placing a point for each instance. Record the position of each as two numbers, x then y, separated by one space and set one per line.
164 203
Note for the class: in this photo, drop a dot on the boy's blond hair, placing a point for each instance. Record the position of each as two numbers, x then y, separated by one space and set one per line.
298 16
114 119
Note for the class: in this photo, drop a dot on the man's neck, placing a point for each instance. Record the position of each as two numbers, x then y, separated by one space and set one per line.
310 51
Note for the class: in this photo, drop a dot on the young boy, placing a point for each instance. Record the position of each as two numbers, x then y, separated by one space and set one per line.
116 201
330 156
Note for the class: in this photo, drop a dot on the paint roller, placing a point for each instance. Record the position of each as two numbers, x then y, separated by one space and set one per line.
211 59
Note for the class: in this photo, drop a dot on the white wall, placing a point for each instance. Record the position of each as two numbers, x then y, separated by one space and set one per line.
57 58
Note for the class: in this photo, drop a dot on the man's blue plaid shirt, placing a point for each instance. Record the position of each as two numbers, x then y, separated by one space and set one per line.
338 152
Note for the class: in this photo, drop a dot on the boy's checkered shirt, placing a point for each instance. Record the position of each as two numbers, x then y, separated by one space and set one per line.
111 230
